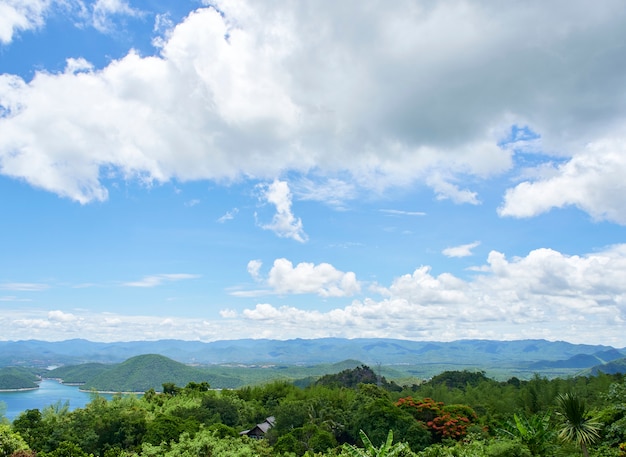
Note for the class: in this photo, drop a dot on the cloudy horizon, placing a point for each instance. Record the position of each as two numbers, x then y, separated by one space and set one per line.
432 171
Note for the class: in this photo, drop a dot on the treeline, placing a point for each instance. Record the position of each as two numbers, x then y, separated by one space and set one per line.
353 413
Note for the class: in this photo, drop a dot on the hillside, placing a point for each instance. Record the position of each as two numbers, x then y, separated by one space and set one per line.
580 360
139 374
78 374
614 367
17 378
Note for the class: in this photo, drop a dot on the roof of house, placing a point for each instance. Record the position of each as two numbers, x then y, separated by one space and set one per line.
263 427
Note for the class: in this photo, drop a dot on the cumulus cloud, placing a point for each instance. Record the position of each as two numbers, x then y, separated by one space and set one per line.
157 280
322 279
414 93
464 250
60 316
544 295
305 278
284 223
592 181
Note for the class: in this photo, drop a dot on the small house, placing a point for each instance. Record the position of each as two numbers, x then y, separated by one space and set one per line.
259 430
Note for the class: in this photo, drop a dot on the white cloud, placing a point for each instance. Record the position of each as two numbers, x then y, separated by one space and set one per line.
228 216
104 10
254 267
396 212
543 295
446 190
305 278
21 15
157 280
331 191
60 316
414 93
284 223
464 250
593 181
24 286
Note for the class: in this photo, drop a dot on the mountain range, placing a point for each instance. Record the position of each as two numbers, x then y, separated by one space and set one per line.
521 358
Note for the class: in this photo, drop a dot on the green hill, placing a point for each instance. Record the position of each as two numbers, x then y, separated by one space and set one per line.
144 372
614 367
17 378
78 374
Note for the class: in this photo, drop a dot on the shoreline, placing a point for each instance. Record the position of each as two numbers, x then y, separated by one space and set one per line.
20 389
110 392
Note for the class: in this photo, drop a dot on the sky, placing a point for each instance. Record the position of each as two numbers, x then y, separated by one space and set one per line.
424 170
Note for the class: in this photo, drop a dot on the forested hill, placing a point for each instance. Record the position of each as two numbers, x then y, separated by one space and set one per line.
370 351
139 374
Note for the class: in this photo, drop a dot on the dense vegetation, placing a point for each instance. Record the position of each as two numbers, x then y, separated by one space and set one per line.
356 412
18 378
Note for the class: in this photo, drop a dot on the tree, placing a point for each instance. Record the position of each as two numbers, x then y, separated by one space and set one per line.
443 421
10 441
577 425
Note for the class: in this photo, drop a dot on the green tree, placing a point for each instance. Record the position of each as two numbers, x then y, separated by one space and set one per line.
377 415
577 425
66 449
10 441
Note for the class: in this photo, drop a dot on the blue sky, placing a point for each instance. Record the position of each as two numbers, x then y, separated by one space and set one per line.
431 171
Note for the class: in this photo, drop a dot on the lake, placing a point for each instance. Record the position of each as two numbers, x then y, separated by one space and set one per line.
49 393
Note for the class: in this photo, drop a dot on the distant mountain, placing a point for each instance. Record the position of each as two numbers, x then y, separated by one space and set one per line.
416 358
614 367
580 360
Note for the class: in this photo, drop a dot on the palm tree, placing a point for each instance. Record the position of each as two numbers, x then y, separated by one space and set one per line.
577 425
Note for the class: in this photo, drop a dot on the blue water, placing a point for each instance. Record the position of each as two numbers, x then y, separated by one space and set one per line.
50 392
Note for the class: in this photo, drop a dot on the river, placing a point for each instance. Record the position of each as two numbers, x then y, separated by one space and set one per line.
50 392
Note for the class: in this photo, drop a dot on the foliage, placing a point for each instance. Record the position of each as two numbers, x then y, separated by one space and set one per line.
444 422
459 379
351 378
576 425
474 417
144 372
10 441
18 378
387 449
535 432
